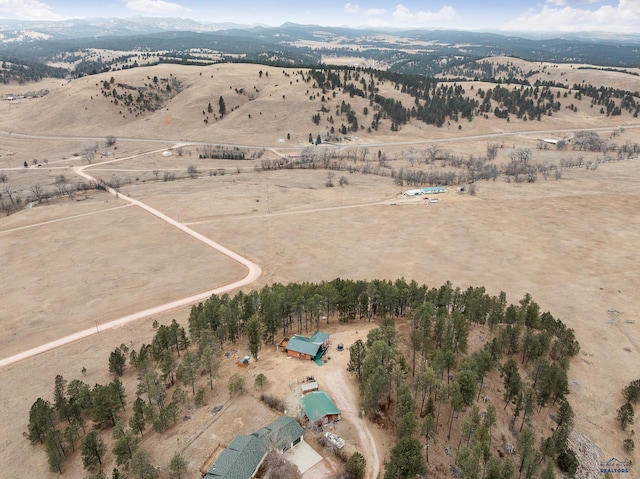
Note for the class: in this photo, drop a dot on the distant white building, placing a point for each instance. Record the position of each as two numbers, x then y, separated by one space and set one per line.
429 190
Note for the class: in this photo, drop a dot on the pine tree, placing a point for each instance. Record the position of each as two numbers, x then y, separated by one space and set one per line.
137 421
41 420
625 415
55 450
252 330
406 460
177 466
92 450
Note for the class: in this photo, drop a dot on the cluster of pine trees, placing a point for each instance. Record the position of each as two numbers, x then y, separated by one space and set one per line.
436 390
441 383
19 71
437 103
80 414
625 414
140 99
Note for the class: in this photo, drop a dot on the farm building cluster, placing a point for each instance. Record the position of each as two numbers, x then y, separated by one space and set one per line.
244 456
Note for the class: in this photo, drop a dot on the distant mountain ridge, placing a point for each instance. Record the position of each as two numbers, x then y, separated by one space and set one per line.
67 44
105 27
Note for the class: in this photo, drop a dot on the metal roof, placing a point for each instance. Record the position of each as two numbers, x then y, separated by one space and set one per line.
239 460
281 432
310 346
245 453
319 337
317 405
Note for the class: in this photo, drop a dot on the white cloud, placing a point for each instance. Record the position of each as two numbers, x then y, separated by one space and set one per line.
405 17
623 17
563 3
353 8
155 7
26 10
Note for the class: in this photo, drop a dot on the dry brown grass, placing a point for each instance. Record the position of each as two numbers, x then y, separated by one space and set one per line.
571 243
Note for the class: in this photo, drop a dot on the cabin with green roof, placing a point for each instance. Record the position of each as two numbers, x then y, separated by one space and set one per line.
308 348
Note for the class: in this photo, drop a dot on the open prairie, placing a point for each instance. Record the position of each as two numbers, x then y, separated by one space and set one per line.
572 242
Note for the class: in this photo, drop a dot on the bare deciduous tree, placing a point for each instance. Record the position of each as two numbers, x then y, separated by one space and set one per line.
11 193
89 152
330 176
192 171
432 152
39 192
492 151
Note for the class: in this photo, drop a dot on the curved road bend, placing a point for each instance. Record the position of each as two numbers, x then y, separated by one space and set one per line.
254 272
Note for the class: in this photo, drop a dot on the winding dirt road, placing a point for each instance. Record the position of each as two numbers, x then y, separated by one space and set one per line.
254 272
347 403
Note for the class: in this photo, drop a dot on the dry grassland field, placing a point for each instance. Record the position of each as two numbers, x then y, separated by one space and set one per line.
70 265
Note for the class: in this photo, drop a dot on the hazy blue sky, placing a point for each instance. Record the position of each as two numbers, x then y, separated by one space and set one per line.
621 16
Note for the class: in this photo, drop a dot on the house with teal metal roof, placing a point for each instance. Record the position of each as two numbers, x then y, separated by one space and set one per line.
319 408
240 460
243 457
283 433
308 348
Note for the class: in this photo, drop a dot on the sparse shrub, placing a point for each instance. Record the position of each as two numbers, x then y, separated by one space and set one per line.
260 381
629 445
236 385
278 466
200 397
273 402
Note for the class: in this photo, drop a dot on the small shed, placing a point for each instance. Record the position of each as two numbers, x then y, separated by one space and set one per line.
319 408
309 387
244 362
